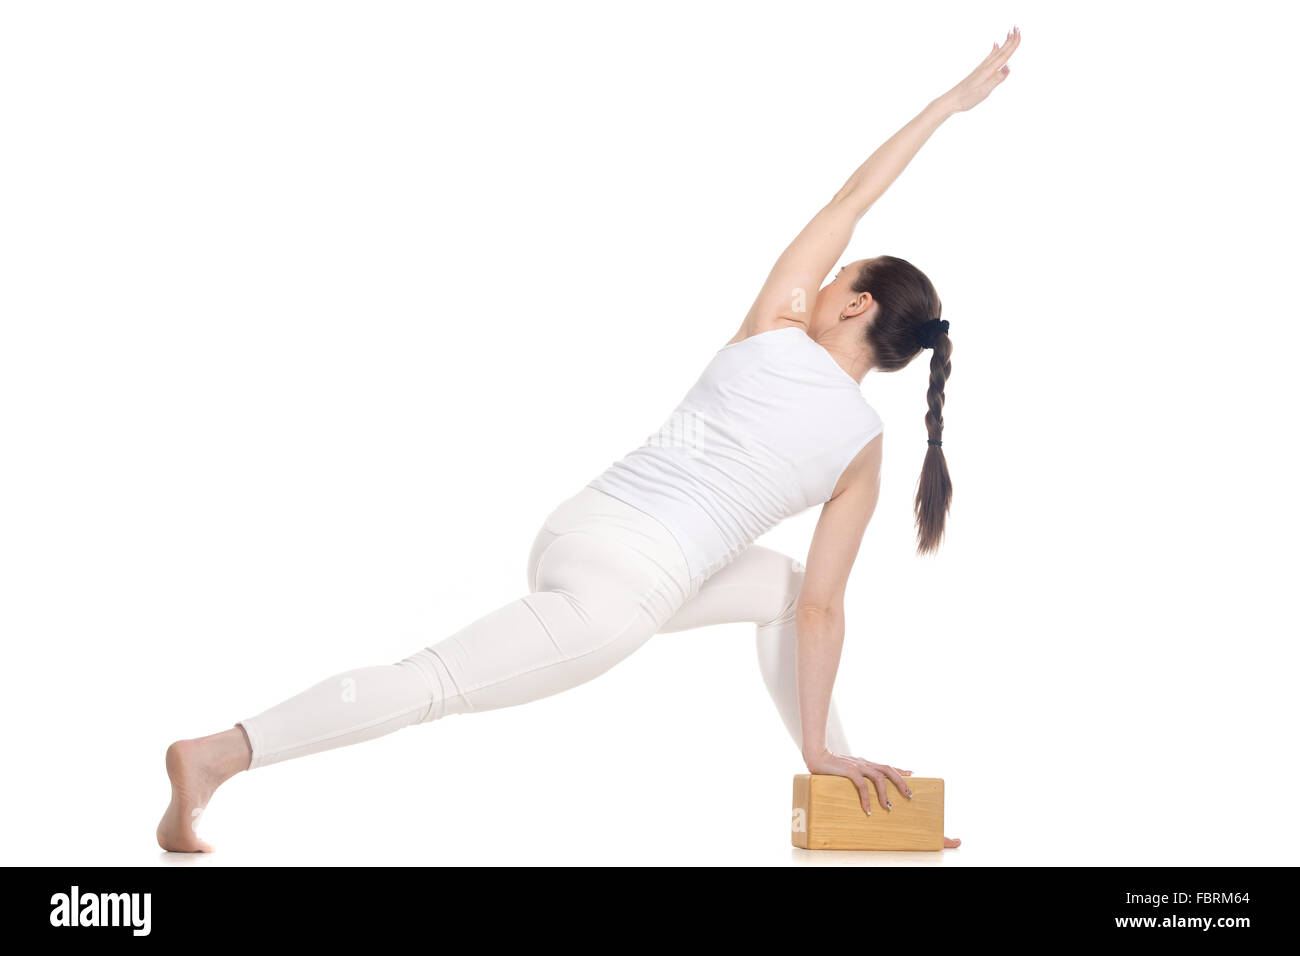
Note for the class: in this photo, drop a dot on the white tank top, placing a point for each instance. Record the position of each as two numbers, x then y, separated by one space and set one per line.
765 433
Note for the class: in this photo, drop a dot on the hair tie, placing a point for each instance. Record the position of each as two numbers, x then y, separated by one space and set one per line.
927 333
931 441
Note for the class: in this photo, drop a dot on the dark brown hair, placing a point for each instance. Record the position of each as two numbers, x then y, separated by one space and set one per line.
907 301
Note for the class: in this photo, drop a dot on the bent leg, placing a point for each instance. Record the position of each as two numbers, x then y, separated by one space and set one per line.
761 586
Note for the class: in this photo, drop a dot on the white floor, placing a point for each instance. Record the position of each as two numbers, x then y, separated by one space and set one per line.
545 784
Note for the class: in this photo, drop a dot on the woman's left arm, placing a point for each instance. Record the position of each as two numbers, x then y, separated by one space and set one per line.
869 182
813 253
798 273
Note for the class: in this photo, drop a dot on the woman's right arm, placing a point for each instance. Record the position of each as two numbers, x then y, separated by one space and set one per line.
820 623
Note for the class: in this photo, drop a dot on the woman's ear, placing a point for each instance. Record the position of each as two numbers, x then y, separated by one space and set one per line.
857 305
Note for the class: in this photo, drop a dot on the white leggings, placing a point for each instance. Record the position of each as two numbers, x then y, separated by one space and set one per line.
603 578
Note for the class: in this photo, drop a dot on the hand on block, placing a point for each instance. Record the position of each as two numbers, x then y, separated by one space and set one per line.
828 815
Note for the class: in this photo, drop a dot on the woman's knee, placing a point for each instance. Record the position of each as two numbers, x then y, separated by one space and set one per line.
789 579
777 577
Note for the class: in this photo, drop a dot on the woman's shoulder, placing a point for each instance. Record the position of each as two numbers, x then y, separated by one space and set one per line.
752 328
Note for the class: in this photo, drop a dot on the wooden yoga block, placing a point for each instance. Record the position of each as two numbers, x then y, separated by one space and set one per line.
828 815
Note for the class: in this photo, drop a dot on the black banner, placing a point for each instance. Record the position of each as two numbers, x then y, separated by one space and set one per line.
226 905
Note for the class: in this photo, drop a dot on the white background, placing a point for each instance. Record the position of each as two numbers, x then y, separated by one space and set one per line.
313 311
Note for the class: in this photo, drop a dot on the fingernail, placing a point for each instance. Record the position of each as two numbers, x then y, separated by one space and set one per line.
889 805
909 794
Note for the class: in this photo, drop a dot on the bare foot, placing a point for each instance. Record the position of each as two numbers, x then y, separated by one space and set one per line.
196 768
949 843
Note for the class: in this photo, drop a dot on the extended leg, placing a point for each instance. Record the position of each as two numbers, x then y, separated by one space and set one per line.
602 593
597 601
761 586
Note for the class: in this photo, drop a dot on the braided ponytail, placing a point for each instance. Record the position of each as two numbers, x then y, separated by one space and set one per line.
901 330
934 490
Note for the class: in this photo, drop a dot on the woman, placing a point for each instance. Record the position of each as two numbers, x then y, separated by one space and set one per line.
662 540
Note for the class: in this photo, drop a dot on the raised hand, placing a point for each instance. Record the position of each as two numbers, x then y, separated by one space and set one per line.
972 90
